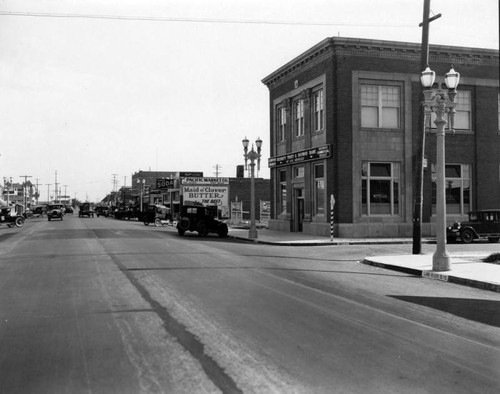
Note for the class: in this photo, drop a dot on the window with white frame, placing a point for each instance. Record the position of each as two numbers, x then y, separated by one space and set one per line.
458 189
282 192
380 106
298 172
298 113
318 103
319 190
281 124
380 188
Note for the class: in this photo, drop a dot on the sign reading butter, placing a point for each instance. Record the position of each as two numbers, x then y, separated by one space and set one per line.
300 156
205 181
207 195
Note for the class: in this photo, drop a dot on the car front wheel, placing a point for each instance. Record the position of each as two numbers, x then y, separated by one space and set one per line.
467 236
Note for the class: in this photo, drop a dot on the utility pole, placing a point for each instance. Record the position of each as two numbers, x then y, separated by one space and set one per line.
218 169
37 193
25 188
48 192
55 188
418 173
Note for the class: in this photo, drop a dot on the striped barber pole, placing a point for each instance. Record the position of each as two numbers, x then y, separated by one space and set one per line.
332 205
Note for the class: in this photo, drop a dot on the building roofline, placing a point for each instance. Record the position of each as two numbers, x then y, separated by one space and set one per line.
336 43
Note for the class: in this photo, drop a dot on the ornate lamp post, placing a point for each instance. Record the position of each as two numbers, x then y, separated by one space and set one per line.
141 183
252 155
441 102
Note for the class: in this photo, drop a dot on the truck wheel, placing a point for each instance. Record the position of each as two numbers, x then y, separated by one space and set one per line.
158 222
19 222
183 224
467 236
222 230
201 227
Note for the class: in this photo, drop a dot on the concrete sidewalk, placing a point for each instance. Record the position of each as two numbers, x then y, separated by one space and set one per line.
465 269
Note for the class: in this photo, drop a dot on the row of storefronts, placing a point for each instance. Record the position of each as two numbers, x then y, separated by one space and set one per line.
172 189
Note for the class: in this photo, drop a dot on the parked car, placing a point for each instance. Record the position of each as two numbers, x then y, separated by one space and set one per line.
40 210
86 210
194 217
55 211
481 224
68 209
101 210
11 217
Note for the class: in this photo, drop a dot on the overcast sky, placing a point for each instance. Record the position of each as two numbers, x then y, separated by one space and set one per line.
172 85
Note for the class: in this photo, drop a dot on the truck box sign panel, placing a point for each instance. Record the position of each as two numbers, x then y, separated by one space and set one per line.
320 152
207 194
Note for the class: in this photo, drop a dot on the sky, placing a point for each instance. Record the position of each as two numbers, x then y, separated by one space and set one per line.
96 90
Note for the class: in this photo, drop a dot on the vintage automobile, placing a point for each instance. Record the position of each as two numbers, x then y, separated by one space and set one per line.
481 224
55 211
196 217
101 210
11 217
86 210
40 210
156 214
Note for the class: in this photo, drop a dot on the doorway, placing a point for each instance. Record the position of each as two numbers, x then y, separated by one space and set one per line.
298 210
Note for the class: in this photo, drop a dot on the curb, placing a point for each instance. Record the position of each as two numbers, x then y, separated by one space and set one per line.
436 276
325 243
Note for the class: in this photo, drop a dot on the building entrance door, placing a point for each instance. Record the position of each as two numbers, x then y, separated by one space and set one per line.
298 210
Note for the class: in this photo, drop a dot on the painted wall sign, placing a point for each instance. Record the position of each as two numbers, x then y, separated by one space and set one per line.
300 156
205 181
207 194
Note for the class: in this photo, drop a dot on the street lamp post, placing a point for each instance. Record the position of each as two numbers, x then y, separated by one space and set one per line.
141 183
253 156
440 102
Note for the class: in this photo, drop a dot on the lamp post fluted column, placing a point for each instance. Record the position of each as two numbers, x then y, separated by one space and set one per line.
441 103
253 156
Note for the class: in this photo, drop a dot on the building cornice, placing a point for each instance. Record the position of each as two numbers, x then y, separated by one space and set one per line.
339 46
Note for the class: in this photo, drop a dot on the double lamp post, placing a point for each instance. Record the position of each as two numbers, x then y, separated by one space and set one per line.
440 101
253 156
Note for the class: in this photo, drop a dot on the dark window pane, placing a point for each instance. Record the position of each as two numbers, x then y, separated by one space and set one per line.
380 169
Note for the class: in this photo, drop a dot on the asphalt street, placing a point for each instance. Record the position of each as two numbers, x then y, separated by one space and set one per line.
106 306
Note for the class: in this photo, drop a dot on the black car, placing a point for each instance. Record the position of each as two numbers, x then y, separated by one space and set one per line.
86 210
196 217
102 210
55 211
481 224
68 209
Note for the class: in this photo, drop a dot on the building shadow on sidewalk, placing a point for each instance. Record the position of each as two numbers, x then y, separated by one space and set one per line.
482 311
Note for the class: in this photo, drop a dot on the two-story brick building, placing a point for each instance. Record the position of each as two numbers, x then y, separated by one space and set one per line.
344 123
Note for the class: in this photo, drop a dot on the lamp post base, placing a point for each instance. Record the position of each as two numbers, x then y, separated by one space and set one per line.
252 233
441 262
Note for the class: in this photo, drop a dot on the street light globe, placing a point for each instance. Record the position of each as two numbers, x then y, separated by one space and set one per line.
451 79
427 78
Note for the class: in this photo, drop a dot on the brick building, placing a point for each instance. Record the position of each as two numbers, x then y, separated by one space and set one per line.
344 123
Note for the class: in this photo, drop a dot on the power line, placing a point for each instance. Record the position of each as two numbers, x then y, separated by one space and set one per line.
189 20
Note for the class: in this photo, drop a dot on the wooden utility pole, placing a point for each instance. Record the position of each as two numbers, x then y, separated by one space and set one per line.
418 173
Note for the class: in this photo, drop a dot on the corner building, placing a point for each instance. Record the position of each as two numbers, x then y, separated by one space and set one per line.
344 123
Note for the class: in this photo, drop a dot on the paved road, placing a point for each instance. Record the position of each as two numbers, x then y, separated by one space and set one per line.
104 306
